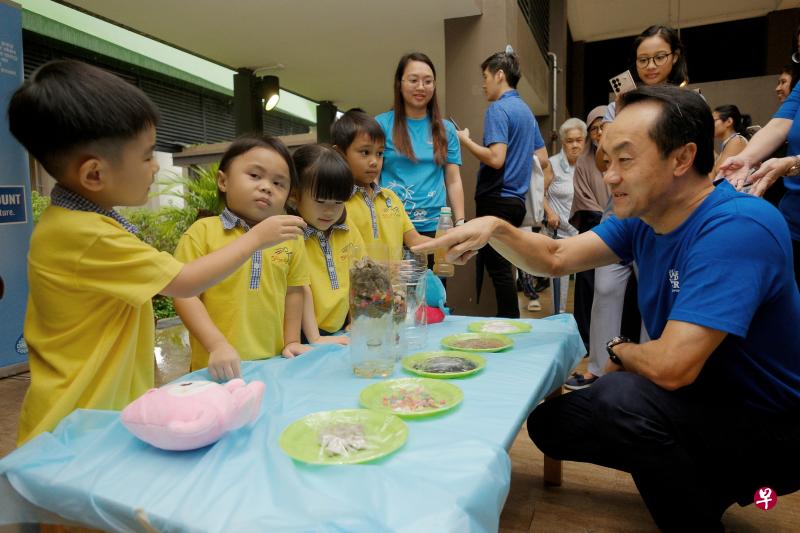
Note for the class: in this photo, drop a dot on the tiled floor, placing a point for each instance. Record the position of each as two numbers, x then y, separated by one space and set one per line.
591 499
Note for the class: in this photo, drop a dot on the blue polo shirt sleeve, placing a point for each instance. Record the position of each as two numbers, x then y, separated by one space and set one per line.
722 290
789 108
495 125
453 145
618 235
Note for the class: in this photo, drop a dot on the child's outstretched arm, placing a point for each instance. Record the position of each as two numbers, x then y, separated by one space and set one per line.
292 319
224 362
203 272
413 238
310 325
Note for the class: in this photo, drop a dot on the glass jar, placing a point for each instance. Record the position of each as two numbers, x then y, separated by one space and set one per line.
371 303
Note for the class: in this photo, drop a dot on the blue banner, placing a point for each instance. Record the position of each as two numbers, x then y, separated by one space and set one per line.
15 201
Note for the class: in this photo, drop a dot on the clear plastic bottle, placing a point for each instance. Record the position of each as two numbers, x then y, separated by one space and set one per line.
441 267
413 276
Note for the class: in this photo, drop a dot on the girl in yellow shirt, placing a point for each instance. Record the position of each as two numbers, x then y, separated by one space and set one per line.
325 185
256 311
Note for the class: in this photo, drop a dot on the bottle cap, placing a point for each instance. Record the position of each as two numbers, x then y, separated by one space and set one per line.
446 211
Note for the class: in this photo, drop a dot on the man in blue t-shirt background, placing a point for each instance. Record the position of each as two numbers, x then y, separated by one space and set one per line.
510 139
707 413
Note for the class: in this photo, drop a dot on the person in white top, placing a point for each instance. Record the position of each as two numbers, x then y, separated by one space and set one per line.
572 134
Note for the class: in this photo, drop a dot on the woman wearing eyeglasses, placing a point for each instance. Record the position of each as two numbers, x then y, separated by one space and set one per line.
422 156
658 58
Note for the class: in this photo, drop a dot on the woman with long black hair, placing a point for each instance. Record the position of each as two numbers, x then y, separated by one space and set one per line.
422 156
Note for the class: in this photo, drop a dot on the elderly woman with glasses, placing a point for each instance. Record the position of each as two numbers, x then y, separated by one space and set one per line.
422 155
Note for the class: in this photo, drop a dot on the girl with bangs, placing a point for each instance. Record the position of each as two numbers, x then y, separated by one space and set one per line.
325 184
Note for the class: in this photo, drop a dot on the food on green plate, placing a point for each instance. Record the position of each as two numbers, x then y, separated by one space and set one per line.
499 326
342 439
408 400
478 343
445 364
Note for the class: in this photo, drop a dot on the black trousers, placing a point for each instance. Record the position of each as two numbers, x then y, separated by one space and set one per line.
584 281
512 210
691 455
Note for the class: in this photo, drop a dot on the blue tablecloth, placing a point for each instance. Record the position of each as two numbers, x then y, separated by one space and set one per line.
453 473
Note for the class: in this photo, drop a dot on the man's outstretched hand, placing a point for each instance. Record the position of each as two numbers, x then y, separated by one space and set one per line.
461 242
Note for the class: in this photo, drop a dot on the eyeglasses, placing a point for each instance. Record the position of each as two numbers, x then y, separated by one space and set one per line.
413 81
658 60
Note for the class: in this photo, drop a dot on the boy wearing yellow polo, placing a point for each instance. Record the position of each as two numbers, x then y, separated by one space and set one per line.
89 320
377 212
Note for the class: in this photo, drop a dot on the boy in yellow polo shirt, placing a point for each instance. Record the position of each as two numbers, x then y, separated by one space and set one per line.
325 184
89 320
377 212
256 312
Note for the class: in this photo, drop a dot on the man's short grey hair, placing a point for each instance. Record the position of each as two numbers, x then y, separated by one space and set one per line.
572 124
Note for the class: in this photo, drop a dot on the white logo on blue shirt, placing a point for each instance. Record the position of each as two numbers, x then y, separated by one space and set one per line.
674 280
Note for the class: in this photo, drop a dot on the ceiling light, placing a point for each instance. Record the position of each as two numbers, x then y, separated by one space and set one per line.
269 90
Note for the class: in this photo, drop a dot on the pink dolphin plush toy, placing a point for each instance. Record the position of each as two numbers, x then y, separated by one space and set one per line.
192 414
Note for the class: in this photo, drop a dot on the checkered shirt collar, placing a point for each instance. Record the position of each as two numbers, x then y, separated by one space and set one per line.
366 190
63 197
230 220
310 231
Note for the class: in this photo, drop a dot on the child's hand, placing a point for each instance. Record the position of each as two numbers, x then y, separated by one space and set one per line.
332 339
293 349
276 229
224 363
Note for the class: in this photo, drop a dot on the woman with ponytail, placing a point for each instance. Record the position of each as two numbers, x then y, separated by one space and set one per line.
422 155
730 128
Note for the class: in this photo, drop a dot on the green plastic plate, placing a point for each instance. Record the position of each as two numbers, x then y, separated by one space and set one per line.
503 327
388 396
477 342
415 364
384 433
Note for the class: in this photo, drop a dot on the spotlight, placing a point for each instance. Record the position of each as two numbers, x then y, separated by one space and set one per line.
269 90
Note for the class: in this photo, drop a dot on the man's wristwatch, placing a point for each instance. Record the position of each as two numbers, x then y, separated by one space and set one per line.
610 349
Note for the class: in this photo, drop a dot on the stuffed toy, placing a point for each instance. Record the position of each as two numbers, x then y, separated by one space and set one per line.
192 414
435 297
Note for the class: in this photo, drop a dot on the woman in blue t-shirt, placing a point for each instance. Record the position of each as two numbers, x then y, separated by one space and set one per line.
422 157
784 126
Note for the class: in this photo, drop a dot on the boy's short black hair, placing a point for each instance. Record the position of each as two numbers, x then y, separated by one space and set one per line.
323 172
685 118
505 61
353 123
67 104
245 143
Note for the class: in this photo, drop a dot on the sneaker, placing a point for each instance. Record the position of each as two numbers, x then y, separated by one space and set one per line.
578 382
534 305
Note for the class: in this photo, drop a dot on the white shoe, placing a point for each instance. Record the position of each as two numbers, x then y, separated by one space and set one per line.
534 305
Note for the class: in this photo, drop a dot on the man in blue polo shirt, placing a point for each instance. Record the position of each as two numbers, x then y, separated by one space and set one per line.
707 413
510 138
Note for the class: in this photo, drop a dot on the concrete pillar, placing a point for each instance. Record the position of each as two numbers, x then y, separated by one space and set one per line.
326 115
247 106
468 41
